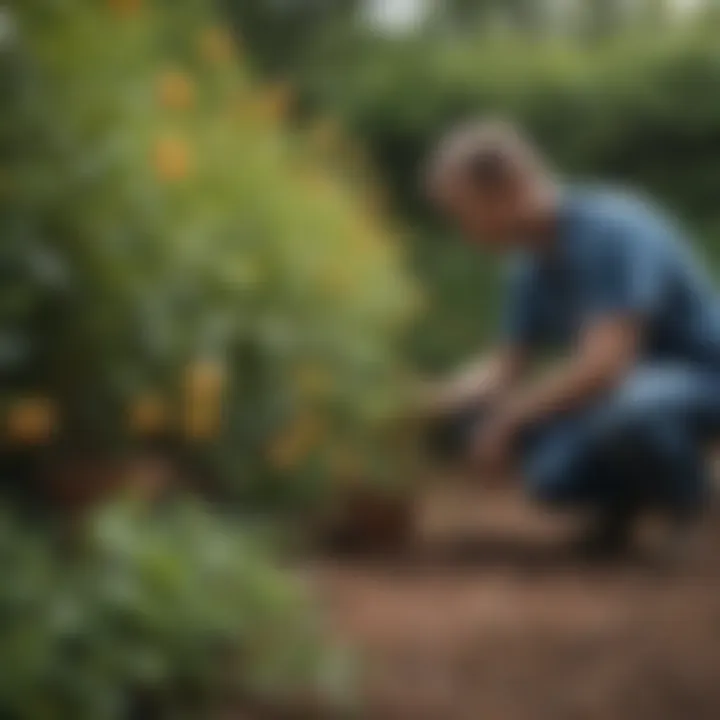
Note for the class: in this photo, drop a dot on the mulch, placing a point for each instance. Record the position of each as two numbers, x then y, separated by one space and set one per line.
485 616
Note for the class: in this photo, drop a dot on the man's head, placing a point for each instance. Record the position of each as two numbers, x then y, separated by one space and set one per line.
490 181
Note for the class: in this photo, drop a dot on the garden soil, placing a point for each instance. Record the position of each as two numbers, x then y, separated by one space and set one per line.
486 616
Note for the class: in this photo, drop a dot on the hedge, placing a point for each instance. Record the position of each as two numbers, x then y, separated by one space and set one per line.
639 111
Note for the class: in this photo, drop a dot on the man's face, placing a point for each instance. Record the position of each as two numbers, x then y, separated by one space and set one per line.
492 218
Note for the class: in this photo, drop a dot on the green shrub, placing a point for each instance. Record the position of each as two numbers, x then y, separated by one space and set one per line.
180 612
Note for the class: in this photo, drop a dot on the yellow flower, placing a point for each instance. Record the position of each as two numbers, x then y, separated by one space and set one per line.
31 421
203 387
172 158
296 442
204 378
148 415
125 8
176 90
217 45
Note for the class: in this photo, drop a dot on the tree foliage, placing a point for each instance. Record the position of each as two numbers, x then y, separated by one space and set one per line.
280 35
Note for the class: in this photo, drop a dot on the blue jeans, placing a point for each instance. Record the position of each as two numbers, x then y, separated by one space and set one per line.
642 444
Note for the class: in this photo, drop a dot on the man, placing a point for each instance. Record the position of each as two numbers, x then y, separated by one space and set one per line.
618 424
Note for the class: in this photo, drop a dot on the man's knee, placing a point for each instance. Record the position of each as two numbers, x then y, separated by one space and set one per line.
629 415
623 433
572 464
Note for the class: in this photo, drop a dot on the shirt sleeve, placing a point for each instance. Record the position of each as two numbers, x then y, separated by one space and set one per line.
623 273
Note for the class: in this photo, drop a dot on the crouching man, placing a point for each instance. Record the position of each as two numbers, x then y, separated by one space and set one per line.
606 282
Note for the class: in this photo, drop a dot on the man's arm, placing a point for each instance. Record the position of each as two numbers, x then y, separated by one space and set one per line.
487 379
607 350
621 283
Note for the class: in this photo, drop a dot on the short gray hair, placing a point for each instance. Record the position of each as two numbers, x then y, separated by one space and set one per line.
489 153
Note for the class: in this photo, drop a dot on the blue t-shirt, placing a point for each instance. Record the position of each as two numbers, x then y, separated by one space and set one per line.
615 254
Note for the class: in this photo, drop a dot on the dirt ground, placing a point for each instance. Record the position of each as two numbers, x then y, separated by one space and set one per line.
487 617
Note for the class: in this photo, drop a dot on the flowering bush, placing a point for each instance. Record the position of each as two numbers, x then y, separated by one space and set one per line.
181 260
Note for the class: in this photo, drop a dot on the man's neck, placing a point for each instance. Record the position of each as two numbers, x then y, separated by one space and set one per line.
543 219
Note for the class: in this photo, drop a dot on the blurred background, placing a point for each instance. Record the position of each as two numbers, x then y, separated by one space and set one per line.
219 284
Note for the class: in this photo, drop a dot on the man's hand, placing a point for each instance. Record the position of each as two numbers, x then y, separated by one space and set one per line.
494 445
607 350
445 397
479 382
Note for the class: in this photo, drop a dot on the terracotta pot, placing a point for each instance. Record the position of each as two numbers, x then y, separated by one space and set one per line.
366 519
